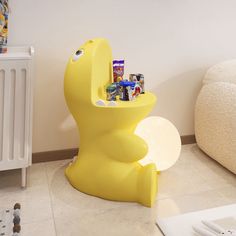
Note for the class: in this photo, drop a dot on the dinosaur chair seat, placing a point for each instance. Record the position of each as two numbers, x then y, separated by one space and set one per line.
107 164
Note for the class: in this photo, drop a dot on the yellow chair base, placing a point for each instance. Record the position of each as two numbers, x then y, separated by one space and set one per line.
135 184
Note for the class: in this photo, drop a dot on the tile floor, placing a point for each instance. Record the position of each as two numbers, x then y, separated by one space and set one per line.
50 206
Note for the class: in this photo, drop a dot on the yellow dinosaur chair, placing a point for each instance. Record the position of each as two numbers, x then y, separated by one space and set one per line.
106 165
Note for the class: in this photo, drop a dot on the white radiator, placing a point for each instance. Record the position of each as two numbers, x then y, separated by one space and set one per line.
16 109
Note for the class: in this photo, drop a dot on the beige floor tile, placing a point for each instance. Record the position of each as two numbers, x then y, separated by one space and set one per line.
36 204
35 199
129 219
10 180
194 172
53 167
37 175
192 202
229 193
39 228
180 181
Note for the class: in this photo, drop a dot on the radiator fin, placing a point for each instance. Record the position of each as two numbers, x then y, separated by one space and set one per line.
12 112
19 114
2 78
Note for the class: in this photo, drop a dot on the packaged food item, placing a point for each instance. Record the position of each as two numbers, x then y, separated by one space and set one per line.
112 91
139 79
127 90
118 70
117 87
137 89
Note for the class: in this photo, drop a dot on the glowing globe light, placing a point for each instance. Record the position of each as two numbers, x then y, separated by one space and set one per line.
163 142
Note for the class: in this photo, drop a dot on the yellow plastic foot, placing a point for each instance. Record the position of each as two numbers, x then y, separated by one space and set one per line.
148 185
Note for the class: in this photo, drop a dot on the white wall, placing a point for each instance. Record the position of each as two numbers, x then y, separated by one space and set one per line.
171 42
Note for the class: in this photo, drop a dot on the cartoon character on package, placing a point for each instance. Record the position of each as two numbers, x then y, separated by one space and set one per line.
137 89
118 70
131 93
112 91
138 79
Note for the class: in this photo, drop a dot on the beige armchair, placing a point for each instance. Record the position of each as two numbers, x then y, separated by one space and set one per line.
215 114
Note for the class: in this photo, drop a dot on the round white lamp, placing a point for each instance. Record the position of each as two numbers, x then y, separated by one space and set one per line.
163 140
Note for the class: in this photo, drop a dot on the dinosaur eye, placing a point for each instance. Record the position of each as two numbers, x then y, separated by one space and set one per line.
77 55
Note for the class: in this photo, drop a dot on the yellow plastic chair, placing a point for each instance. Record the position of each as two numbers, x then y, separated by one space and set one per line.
107 164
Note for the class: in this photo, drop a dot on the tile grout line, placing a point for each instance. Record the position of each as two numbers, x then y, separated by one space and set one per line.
50 194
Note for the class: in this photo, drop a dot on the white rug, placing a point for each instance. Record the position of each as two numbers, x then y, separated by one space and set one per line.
10 221
6 222
181 225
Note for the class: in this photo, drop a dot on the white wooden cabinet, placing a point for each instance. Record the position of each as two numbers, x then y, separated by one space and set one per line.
16 95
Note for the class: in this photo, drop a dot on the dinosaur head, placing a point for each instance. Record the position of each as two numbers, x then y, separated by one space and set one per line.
88 72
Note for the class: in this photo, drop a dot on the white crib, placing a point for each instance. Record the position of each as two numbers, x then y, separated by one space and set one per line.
16 88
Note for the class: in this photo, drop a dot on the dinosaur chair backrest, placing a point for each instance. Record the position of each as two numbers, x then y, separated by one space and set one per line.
88 72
